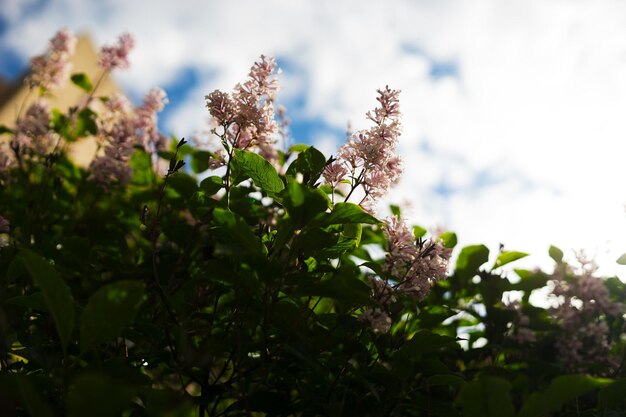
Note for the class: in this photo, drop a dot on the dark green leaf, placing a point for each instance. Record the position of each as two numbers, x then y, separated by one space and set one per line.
508 257
56 293
469 260
184 184
5 130
35 404
486 397
109 311
97 395
82 80
211 185
562 390
309 163
425 341
447 380
303 203
395 210
262 173
85 124
612 396
36 301
200 161
236 230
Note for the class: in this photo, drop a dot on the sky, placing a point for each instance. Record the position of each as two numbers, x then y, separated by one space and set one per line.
514 127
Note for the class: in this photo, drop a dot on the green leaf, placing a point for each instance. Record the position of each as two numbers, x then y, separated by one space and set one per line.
200 161
56 293
346 213
85 124
395 210
343 286
448 239
446 380
486 397
5 130
298 147
82 80
419 231
31 395
508 257
36 301
142 168
184 184
561 391
303 203
262 173
424 342
309 163
108 311
612 396
469 260
353 231
234 229
98 395
212 184
622 259
556 254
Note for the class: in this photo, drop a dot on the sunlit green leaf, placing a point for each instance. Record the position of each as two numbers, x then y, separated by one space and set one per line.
556 254
82 80
262 173
448 239
508 257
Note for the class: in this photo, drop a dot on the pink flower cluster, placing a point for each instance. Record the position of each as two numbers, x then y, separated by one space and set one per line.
112 57
369 156
415 264
32 130
520 332
120 129
247 115
584 305
51 69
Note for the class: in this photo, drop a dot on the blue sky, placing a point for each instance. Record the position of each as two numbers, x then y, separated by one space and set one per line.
513 111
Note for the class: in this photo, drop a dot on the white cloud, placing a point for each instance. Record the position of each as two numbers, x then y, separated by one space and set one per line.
539 100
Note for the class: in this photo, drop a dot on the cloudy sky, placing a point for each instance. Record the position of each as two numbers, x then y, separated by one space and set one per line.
514 112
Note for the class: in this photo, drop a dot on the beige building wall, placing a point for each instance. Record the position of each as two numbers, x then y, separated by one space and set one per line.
85 60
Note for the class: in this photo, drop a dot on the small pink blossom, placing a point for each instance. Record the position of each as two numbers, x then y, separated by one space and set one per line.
51 69
371 153
334 173
378 319
582 311
146 119
416 265
32 131
248 114
221 107
112 57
